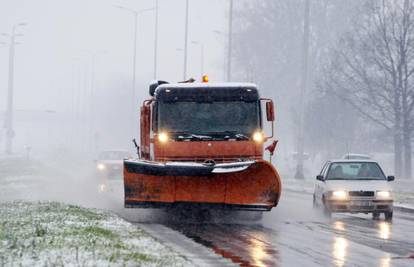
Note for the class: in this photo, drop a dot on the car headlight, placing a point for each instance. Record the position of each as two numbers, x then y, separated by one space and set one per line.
339 194
383 194
101 166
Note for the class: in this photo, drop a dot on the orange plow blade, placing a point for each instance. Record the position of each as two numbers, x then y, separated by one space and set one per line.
248 185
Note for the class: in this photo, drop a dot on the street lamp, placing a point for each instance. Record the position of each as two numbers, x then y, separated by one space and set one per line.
9 112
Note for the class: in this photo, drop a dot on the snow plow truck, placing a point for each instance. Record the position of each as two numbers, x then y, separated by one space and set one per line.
202 144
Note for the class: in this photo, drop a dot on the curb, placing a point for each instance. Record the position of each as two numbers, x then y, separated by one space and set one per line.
404 209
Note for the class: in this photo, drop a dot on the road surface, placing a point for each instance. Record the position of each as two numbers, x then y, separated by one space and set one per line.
295 234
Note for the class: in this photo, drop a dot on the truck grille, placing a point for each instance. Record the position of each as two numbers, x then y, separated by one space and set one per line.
361 193
201 160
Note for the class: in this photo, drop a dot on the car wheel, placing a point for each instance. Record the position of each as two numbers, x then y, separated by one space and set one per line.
375 215
388 215
326 212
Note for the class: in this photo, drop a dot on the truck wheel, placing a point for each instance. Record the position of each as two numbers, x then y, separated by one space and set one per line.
388 215
375 215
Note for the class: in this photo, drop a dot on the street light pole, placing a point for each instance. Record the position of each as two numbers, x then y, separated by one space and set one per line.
229 51
201 56
10 91
93 56
223 34
156 39
303 88
135 14
134 66
185 40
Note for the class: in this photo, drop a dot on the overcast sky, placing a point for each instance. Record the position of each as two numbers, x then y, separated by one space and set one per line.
60 32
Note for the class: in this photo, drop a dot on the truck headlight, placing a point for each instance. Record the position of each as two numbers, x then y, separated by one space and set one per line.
384 194
163 137
340 194
258 137
101 167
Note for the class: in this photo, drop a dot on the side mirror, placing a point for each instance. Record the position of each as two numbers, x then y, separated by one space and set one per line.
390 178
154 86
320 178
270 111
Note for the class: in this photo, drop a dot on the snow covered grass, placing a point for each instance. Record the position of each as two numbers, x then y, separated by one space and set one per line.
55 234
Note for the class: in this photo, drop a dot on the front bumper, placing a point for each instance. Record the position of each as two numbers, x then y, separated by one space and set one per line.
360 205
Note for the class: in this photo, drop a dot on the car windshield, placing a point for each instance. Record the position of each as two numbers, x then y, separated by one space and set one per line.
212 118
355 171
113 155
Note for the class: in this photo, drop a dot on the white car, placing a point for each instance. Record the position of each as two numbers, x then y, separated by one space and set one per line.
355 186
109 167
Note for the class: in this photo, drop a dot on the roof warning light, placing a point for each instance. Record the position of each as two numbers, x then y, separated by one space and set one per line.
205 79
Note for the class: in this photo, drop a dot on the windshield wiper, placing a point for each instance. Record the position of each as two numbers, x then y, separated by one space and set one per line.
191 136
237 135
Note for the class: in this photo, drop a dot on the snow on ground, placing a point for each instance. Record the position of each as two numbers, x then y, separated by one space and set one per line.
37 229
52 233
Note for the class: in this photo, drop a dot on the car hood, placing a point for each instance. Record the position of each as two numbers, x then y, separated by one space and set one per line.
364 185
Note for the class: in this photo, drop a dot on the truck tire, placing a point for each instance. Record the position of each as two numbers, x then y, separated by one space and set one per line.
375 215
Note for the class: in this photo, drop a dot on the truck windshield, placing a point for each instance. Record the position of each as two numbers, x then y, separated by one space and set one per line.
212 118
355 171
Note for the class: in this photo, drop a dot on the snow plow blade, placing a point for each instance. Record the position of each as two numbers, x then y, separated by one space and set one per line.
247 185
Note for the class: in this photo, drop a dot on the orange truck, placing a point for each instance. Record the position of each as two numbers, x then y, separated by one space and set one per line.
202 144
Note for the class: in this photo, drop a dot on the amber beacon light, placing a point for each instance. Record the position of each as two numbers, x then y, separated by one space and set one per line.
205 78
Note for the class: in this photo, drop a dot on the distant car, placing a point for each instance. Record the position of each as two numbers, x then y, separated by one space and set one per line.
356 156
355 186
109 166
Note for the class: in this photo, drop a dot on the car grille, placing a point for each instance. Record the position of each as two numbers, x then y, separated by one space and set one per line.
361 193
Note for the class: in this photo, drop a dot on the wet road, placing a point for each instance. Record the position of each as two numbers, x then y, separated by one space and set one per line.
295 234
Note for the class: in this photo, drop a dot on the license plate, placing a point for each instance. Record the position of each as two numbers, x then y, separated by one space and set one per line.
361 203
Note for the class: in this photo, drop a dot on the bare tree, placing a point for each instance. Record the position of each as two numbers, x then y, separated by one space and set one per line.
268 37
372 69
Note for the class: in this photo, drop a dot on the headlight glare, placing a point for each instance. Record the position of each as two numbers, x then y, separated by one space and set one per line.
384 194
101 166
339 194
163 137
258 137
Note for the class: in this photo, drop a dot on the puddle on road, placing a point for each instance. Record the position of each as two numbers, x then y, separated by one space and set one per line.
244 245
